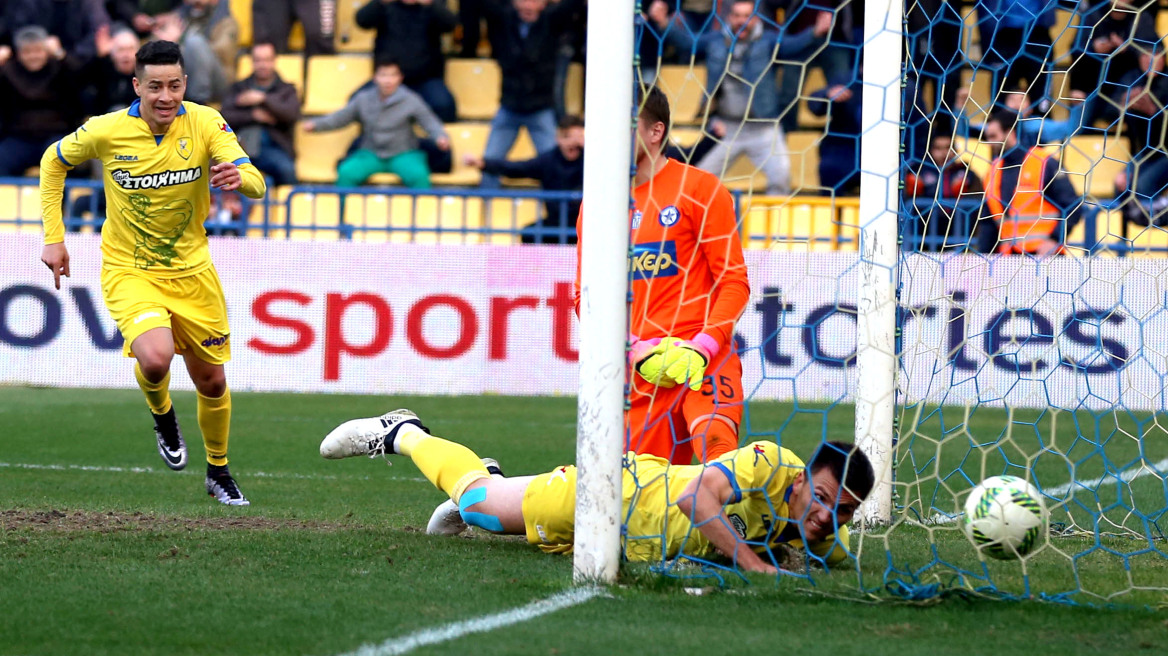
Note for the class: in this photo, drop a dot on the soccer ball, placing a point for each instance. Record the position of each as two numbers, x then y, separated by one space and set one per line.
1004 517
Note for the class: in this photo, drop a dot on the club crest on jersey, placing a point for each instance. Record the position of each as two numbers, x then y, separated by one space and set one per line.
669 216
653 260
155 180
184 147
637 216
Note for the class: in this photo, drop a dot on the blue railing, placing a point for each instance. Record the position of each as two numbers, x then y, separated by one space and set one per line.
475 215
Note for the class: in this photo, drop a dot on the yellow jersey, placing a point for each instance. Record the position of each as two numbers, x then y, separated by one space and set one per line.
761 475
156 186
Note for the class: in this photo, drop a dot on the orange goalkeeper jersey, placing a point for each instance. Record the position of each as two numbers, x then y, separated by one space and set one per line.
687 271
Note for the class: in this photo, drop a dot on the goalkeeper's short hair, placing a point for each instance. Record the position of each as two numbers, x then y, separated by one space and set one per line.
848 464
655 107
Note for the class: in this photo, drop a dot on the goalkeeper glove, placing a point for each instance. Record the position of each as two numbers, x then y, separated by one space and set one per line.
679 362
639 349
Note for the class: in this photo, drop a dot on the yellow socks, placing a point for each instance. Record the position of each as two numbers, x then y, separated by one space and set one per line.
449 466
215 423
157 394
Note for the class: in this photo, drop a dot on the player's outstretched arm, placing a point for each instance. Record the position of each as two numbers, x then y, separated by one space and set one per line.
703 501
52 187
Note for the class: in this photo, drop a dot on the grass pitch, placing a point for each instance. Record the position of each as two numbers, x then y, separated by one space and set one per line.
103 550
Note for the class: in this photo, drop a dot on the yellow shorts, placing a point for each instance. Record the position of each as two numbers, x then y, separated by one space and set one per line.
549 510
192 307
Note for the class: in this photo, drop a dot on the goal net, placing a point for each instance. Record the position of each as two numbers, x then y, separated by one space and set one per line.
987 294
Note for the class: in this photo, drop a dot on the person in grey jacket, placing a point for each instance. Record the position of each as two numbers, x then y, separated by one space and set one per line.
387 112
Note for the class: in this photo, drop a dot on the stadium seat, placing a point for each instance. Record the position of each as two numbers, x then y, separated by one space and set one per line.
20 208
349 37
804 149
317 153
290 67
332 79
1063 34
978 156
791 223
476 86
241 11
470 139
574 90
686 88
505 216
314 217
1092 162
277 219
813 81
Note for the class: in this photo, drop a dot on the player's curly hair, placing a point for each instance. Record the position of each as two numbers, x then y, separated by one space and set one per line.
848 464
158 53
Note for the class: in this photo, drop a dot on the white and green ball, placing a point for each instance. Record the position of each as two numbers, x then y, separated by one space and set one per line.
1005 517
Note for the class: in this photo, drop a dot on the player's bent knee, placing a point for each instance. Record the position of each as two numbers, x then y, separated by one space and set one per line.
482 520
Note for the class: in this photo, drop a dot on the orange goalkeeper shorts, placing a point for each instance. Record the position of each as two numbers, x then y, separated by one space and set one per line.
660 420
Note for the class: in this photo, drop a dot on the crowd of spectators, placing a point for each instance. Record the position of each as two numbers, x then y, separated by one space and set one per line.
61 60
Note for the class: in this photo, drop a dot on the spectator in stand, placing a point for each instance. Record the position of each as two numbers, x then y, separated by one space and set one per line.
740 81
263 110
1144 185
471 14
1118 46
942 177
1015 40
387 112
39 103
213 20
139 14
839 150
1031 202
1032 128
525 38
272 23
558 169
410 32
206 78
113 72
665 39
807 33
72 25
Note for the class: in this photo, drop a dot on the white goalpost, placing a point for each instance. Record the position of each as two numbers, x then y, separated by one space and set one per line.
608 104
880 145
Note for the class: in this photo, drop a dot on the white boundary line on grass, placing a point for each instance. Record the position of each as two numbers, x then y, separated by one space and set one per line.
433 636
151 470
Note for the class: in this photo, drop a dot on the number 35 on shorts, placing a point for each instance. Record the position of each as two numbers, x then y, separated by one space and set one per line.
726 389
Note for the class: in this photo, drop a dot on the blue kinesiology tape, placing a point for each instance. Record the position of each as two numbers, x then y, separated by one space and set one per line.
481 520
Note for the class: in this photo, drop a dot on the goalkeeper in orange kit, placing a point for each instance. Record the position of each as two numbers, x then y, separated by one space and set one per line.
689 287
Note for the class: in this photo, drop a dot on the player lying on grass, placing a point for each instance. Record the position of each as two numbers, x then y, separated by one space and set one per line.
746 505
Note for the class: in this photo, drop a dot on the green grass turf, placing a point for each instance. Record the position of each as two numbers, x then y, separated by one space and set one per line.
333 555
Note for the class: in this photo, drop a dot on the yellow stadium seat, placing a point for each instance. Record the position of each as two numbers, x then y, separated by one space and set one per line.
791 223
349 37
686 88
813 81
315 217
317 153
574 90
296 37
332 79
978 156
471 139
277 216
241 11
804 149
476 87
290 68
1063 32
505 216
1092 162
20 208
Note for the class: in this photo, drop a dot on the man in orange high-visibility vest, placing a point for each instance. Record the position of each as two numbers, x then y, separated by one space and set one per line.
1032 203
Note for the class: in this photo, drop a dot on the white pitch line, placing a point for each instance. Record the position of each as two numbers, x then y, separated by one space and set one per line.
1074 487
151 470
433 636
1124 476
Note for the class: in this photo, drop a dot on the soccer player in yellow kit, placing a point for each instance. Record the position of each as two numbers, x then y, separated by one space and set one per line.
157 279
744 505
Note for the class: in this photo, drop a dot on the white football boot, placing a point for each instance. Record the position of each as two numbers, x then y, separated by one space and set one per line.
446 519
371 437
